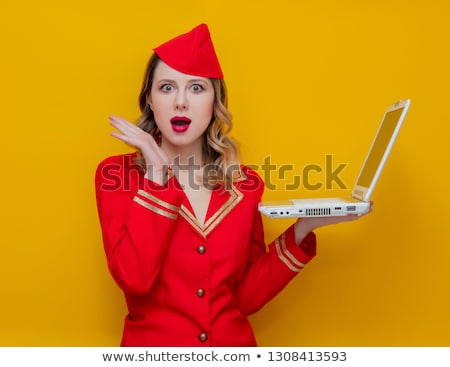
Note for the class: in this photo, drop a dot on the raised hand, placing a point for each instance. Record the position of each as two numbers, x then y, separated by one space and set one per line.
156 159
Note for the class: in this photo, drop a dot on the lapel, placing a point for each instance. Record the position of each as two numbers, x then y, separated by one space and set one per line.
221 203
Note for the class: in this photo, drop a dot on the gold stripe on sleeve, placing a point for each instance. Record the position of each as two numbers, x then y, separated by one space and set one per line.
283 257
288 253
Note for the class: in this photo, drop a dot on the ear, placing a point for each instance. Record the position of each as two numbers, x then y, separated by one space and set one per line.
149 101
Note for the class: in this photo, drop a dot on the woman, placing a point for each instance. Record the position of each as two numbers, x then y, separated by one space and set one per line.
181 229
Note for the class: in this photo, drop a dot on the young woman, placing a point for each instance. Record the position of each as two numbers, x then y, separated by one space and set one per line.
181 229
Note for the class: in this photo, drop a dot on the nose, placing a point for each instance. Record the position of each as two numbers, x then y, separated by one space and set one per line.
181 102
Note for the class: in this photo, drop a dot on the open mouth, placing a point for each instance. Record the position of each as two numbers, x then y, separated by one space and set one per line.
180 123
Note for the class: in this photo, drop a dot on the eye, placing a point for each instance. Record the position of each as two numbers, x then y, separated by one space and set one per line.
196 87
166 87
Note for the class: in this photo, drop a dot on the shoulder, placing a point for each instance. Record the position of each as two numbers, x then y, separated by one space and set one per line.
117 171
118 161
247 179
119 164
247 172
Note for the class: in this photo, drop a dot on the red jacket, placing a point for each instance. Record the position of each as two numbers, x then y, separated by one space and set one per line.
184 284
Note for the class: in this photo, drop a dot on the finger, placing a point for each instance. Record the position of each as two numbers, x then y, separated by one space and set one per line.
121 137
141 140
134 135
118 119
123 125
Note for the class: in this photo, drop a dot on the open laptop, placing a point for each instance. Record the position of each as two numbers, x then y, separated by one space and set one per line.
368 177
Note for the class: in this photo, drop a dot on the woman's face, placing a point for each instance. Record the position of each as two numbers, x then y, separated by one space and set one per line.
182 105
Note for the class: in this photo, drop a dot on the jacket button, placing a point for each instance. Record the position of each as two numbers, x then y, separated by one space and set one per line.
203 337
200 292
201 249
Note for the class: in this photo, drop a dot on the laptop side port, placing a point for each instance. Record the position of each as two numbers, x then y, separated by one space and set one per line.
351 208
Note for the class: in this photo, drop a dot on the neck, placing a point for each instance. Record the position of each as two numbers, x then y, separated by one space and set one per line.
191 155
187 163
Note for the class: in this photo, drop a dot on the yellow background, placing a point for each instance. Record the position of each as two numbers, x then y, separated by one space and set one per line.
306 79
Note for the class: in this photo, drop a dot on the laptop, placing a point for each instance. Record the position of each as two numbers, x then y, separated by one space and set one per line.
359 202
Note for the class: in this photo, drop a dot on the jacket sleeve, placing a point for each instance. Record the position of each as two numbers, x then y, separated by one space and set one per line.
271 268
136 224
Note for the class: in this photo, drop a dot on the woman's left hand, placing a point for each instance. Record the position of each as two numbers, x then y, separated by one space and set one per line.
305 225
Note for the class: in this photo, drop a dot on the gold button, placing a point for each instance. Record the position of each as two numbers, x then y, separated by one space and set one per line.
201 249
200 292
203 337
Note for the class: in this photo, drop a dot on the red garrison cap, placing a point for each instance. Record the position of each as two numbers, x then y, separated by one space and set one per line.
191 53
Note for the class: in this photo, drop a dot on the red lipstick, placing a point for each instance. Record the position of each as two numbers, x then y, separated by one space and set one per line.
180 123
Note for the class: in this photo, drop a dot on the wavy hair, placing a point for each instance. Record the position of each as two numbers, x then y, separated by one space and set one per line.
220 151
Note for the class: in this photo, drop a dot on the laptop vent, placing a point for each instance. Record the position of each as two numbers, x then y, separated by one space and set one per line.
318 212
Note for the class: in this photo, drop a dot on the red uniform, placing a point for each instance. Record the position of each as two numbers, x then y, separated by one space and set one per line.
187 284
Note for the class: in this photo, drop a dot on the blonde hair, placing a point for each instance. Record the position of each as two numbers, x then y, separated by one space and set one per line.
220 152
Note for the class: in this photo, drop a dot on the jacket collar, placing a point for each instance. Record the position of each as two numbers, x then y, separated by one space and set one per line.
222 202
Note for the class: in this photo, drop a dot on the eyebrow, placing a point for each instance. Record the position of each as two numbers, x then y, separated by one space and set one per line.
205 80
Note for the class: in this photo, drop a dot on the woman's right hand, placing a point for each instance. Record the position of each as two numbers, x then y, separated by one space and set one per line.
156 160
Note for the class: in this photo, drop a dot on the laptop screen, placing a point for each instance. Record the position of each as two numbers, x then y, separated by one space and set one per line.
379 147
